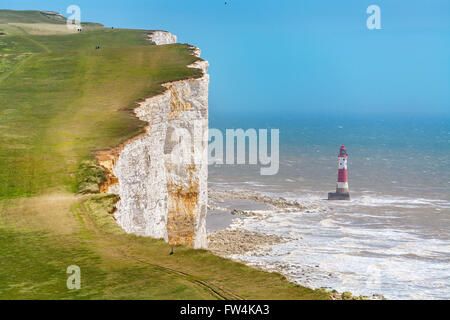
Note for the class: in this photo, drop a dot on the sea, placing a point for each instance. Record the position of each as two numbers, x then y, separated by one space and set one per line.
391 238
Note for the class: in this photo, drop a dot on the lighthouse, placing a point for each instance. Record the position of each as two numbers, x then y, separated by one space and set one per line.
342 192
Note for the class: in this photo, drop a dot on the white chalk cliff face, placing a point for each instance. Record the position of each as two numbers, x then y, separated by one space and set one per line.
161 176
162 37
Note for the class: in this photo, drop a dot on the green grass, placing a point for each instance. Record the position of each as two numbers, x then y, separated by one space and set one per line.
28 16
38 247
60 100
58 106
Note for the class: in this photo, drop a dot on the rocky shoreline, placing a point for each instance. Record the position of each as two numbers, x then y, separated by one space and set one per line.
241 204
276 204
230 240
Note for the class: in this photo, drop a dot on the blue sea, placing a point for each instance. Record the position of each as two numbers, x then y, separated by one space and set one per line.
392 238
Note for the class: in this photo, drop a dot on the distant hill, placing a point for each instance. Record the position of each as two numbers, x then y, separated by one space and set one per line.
10 16
37 23
29 16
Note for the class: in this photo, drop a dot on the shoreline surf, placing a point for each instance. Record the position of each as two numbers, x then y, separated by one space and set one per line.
340 246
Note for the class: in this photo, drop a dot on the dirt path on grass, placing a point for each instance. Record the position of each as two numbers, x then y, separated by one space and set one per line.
122 251
217 292
133 267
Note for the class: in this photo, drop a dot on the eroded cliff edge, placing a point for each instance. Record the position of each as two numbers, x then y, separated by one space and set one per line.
161 175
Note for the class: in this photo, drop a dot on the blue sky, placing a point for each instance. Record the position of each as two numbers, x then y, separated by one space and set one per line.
301 57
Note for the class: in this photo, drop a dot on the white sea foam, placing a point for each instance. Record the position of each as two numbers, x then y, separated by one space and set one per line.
383 201
363 246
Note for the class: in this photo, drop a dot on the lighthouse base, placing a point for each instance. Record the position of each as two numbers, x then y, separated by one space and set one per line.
338 196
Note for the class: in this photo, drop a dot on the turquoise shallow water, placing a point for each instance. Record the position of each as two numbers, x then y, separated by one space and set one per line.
397 226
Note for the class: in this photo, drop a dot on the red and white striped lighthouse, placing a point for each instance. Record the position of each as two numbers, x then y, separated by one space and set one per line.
342 192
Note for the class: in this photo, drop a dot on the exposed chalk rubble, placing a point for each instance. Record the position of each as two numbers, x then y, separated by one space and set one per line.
162 37
161 175
229 242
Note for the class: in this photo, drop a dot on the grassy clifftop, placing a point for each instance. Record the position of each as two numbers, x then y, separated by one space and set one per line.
37 23
60 99
30 16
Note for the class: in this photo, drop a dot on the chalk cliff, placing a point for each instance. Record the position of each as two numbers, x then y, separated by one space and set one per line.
162 37
161 175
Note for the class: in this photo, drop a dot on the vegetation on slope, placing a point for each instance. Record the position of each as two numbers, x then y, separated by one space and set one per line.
30 16
61 99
